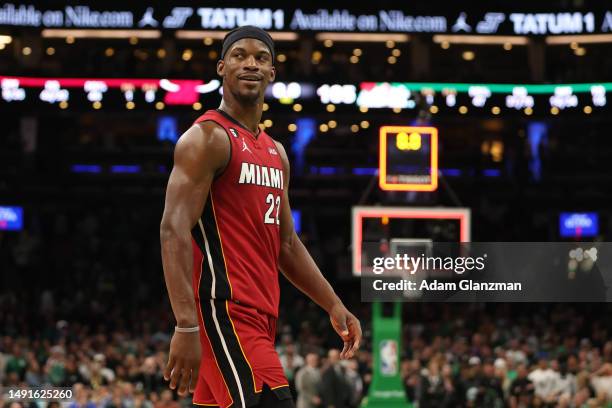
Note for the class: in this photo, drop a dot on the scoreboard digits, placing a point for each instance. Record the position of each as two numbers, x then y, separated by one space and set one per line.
408 158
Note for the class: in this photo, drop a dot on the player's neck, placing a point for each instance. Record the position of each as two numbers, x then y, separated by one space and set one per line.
248 116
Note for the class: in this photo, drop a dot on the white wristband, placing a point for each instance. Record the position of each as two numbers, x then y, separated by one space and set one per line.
186 329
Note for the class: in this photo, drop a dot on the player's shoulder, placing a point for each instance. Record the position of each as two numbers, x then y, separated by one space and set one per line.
208 131
203 137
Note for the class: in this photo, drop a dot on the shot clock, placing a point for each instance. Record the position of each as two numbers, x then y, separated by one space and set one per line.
408 158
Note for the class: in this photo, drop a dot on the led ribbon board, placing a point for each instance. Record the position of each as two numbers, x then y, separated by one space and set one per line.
408 158
177 91
371 95
402 95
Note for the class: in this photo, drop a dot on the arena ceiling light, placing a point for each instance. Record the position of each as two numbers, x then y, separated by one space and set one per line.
481 39
580 39
219 35
362 37
79 33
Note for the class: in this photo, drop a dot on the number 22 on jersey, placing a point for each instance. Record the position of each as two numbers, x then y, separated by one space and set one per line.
273 203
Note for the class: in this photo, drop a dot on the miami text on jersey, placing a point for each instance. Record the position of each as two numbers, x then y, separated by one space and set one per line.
261 176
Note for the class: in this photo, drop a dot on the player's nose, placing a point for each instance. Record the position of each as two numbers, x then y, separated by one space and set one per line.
250 63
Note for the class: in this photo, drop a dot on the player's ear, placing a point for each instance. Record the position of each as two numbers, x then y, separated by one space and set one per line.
220 67
272 74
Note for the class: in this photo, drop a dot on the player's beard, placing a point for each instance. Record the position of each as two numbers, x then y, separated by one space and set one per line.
247 99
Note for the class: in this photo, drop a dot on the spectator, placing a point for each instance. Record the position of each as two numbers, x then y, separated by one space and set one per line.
521 389
132 370
471 382
334 390
413 380
152 377
116 400
493 394
81 398
584 390
166 400
127 394
354 381
140 400
515 354
503 372
96 372
544 380
602 382
308 383
33 375
71 372
291 363
448 382
433 386
565 384
16 362
55 367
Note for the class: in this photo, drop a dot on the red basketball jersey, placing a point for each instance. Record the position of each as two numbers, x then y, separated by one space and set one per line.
238 233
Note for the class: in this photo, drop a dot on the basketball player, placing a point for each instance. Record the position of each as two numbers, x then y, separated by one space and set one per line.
227 205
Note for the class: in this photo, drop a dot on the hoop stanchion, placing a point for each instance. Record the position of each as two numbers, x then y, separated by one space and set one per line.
386 390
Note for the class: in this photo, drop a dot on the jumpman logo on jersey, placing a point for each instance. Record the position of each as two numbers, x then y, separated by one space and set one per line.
245 147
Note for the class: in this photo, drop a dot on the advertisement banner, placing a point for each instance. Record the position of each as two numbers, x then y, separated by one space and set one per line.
184 16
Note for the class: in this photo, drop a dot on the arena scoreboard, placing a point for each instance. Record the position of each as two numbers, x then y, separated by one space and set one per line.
408 158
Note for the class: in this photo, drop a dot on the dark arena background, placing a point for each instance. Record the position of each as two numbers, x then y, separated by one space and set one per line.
95 96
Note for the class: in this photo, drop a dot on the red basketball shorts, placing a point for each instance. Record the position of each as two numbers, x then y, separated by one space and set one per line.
238 356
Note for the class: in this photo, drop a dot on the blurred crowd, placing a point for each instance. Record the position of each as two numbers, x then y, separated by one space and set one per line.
82 301
474 355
